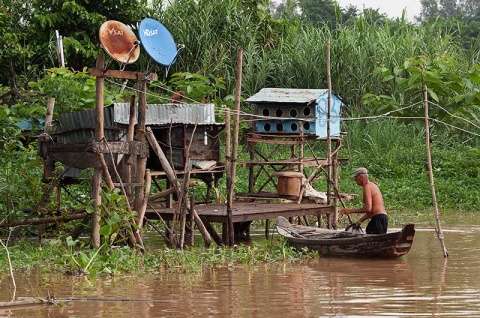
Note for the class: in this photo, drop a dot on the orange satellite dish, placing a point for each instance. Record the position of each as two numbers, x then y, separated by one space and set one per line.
119 42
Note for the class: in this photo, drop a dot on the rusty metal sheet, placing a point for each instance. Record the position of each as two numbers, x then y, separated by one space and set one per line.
164 114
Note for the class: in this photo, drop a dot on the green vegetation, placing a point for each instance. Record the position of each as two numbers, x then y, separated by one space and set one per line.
72 258
379 67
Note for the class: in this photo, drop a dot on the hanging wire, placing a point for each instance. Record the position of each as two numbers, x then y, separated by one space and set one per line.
152 94
455 116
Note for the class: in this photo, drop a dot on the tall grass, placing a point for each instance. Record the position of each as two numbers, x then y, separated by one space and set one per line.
395 155
281 53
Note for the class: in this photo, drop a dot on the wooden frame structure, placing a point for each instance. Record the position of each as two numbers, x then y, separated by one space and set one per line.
240 209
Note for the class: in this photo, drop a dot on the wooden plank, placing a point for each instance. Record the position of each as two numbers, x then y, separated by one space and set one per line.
243 211
123 74
307 162
133 148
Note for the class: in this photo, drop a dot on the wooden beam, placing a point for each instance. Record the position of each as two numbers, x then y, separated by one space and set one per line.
100 72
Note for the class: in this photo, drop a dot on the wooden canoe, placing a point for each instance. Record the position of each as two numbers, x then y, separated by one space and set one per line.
327 242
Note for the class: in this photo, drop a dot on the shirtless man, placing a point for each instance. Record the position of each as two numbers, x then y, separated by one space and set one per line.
373 205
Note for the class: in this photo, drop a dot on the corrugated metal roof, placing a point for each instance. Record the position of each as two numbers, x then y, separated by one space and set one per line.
78 126
286 95
163 114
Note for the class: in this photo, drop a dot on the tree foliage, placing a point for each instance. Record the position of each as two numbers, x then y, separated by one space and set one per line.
449 9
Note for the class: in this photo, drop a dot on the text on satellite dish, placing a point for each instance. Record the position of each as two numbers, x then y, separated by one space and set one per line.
148 32
114 31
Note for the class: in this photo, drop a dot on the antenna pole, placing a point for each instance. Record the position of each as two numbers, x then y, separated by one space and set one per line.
59 42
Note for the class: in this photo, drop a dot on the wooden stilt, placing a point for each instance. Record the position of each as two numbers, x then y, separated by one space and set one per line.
332 221
99 135
140 136
192 220
228 172
236 127
48 164
130 136
141 212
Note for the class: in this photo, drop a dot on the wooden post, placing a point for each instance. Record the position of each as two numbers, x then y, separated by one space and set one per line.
329 140
301 165
228 151
48 164
140 136
336 173
141 213
184 204
130 135
99 135
192 220
430 173
228 172
236 127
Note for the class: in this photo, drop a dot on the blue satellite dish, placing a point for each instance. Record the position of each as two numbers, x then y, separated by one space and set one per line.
157 42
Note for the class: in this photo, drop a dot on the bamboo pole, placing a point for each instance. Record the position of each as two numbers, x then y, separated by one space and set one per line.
99 135
329 140
430 173
236 127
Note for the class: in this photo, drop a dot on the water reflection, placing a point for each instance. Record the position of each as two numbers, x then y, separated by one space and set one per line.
420 284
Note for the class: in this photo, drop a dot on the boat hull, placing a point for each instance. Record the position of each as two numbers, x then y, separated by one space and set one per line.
345 244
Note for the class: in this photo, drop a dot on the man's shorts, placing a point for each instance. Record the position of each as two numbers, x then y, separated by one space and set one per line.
378 224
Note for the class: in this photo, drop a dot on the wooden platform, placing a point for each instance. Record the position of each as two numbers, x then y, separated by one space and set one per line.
243 213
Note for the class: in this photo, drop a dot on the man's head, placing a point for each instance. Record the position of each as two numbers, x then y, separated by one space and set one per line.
360 172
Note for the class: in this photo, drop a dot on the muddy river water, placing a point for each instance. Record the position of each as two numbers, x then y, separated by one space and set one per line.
421 284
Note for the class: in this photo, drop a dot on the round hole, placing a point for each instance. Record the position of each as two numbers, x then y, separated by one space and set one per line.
279 127
306 126
267 127
306 111
266 112
294 127
293 112
279 112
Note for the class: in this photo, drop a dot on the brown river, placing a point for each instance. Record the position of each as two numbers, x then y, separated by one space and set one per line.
421 284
